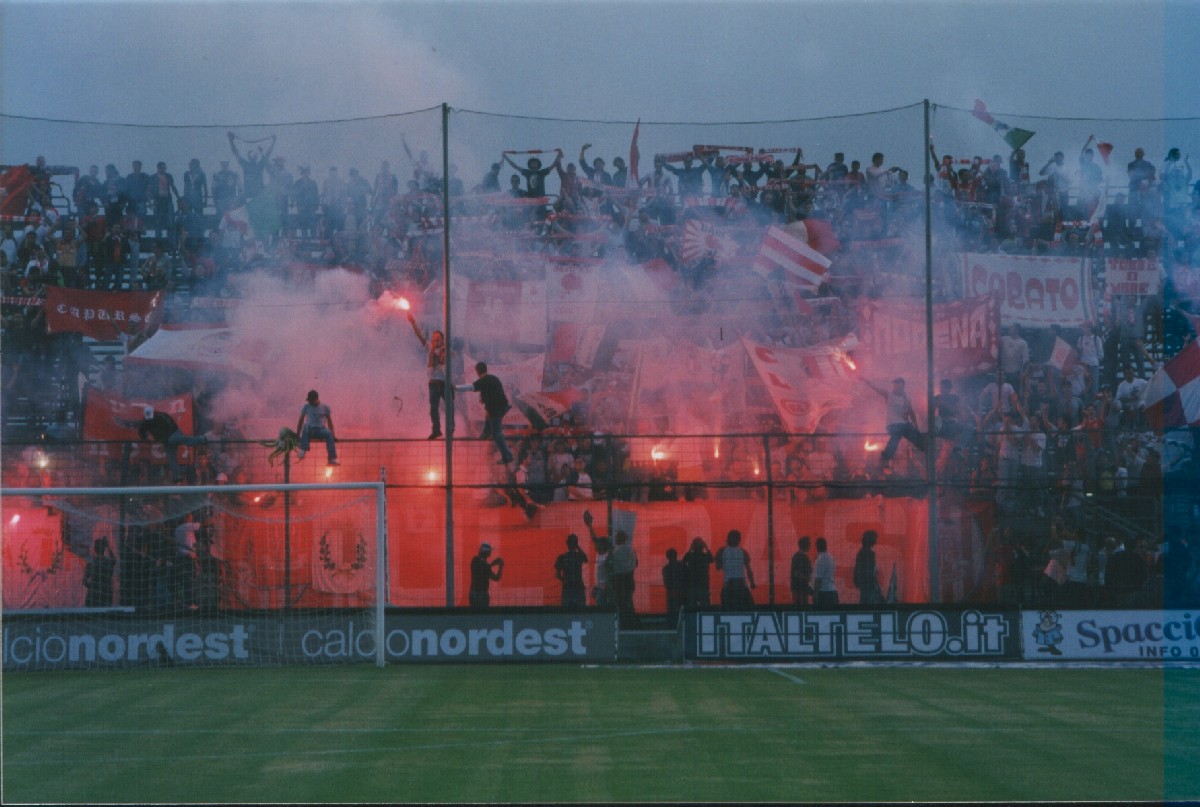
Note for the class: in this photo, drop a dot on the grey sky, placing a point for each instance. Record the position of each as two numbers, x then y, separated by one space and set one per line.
231 63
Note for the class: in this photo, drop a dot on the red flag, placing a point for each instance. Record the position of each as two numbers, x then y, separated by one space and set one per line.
1105 150
102 314
980 111
16 181
633 157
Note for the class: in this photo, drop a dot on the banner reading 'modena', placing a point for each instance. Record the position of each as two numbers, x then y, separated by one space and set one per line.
894 634
1111 635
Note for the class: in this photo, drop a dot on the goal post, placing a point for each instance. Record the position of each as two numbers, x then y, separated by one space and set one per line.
195 575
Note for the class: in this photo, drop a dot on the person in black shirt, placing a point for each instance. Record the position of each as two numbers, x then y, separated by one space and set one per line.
697 560
483 572
675 580
163 429
568 568
495 405
801 573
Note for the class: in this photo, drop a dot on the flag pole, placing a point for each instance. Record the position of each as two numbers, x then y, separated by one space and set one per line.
449 397
935 586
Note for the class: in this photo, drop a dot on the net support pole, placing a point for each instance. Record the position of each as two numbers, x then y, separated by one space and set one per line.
770 521
935 585
381 568
449 355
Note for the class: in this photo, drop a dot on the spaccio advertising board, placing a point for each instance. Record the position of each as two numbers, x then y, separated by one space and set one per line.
1111 635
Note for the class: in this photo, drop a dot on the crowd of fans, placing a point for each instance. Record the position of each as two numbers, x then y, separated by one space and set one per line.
1063 452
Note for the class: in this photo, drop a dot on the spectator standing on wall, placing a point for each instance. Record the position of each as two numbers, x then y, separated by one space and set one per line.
601 591
674 576
435 367
823 576
901 421
623 564
163 429
697 560
568 568
866 576
801 573
734 563
483 571
495 405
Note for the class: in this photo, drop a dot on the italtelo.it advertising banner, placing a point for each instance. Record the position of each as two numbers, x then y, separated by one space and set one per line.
894 634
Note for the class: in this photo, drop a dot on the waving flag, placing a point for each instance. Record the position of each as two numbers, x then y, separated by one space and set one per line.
1172 398
801 264
631 181
1063 357
1013 136
238 219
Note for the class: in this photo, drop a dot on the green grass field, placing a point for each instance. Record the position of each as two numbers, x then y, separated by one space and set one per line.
572 734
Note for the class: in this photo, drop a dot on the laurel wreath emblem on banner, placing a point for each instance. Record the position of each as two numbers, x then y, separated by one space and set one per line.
56 564
329 565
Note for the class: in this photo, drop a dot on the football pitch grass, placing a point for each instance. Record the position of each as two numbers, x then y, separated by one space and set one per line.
557 733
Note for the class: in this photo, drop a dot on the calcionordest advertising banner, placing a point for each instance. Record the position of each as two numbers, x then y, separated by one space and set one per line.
764 636
1035 291
117 641
1111 635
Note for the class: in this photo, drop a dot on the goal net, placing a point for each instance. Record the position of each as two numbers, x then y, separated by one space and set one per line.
193 576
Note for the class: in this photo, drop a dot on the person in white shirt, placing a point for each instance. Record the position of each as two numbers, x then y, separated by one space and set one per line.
824 571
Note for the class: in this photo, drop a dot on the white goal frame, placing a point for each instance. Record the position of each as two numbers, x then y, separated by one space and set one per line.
168 490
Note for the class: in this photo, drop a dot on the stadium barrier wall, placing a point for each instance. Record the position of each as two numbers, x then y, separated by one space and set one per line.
82 641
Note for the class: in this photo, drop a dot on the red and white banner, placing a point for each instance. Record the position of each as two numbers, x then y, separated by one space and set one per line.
805 384
102 315
1132 276
1033 291
802 265
965 335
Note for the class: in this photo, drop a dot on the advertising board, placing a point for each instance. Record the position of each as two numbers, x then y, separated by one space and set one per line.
1111 635
893 634
82 642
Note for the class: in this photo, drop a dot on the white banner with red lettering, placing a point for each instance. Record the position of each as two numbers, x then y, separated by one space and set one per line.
1034 291
1132 276
965 335
103 315
805 384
